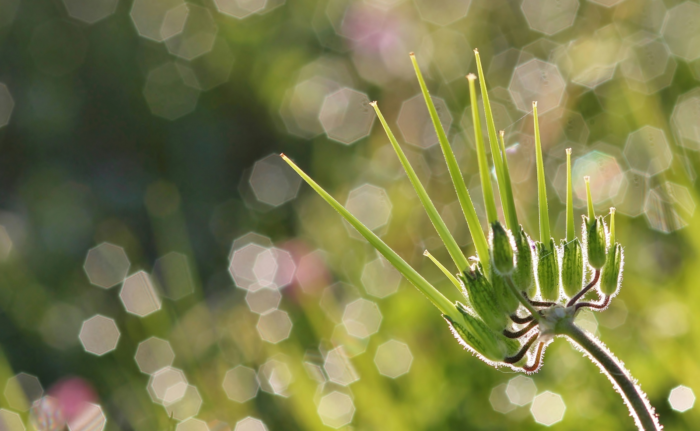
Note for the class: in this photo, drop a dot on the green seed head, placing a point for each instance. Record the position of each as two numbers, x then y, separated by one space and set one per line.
483 297
595 241
504 296
571 267
524 274
611 276
548 271
491 346
501 249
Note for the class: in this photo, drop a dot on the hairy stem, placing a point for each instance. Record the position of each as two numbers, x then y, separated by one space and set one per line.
636 400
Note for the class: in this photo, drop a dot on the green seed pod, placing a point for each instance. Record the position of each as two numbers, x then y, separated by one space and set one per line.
505 298
501 249
483 298
524 274
595 241
572 267
548 271
476 335
611 276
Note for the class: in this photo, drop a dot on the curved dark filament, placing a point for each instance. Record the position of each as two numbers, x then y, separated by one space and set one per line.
518 356
602 305
520 333
538 359
585 290
521 320
538 303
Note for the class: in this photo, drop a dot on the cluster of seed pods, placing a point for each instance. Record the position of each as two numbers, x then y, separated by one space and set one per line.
513 283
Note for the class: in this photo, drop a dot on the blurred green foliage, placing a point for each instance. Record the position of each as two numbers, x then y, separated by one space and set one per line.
87 157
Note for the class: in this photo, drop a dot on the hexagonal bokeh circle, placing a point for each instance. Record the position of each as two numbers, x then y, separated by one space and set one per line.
521 390
262 301
99 335
187 406
250 424
150 18
273 181
11 421
415 124
192 36
681 398
167 385
380 278
22 390
680 30
442 12
550 16
371 205
647 151
606 177
91 417
548 408
393 359
346 116
139 296
362 318
274 326
192 424
336 409
90 11
153 354
166 92
241 384
338 367
106 265
684 119
240 8
275 376
539 81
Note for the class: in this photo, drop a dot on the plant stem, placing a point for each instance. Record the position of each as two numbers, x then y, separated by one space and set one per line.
636 400
521 298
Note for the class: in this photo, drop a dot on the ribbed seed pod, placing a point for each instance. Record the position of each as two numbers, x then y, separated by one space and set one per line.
548 271
475 334
595 241
483 298
505 298
524 273
611 275
501 250
572 267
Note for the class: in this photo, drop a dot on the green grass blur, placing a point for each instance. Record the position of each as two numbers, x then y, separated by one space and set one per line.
115 137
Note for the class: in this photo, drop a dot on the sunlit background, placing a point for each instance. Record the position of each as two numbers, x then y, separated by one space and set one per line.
161 268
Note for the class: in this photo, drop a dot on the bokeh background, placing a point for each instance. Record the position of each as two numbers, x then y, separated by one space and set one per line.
158 259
